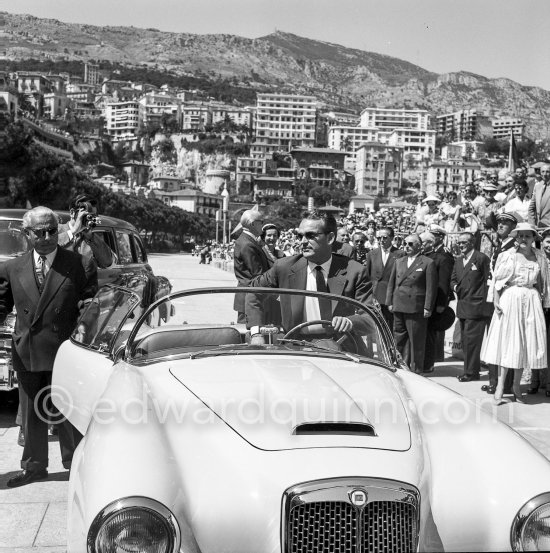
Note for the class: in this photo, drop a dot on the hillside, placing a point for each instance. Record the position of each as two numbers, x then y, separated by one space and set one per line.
340 77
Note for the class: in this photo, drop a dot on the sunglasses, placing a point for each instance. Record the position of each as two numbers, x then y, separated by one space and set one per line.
410 243
463 243
309 235
40 233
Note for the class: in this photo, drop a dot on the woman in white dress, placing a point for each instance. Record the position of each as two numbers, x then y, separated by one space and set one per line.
517 334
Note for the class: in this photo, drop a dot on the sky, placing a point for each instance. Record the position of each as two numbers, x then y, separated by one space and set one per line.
494 38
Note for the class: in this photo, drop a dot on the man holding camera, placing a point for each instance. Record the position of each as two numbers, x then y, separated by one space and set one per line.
77 234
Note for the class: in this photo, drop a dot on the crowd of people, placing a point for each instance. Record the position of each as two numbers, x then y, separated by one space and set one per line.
486 247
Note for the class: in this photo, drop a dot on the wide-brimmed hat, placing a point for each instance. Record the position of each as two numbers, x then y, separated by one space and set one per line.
523 227
488 187
431 198
442 321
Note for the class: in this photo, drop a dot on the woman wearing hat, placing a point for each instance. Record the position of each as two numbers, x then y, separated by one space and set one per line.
429 215
517 335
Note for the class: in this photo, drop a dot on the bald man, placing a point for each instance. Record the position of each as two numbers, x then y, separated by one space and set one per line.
249 259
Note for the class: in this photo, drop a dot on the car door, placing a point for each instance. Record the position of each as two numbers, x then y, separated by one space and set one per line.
84 363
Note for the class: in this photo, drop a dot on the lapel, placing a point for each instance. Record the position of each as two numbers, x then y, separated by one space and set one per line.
467 267
336 276
386 269
28 278
56 276
415 264
540 193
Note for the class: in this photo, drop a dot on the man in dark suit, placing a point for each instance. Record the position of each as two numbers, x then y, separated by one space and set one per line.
46 286
249 259
379 264
469 280
444 263
412 290
316 268
539 208
341 245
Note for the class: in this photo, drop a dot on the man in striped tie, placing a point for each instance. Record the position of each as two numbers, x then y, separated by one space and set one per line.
46 286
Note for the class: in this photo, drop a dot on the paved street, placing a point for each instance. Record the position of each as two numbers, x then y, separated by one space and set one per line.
32 518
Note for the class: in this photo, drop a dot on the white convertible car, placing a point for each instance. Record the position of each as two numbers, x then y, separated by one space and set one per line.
301 440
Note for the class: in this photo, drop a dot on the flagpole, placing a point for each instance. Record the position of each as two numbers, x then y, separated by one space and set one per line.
511 153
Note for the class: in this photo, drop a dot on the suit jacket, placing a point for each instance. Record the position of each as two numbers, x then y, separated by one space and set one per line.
444 264
345 278
471 287
412 289
342 248
44 320
378 273
538 213
249 261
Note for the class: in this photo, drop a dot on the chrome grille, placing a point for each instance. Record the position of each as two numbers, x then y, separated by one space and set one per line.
321 517
323 527
389 526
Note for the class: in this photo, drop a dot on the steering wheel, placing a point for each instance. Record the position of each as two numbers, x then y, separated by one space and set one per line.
324 322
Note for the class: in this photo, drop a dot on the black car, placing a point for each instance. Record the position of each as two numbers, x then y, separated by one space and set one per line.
121 236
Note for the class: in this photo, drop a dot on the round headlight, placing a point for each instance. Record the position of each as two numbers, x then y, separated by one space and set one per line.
531 527
134 524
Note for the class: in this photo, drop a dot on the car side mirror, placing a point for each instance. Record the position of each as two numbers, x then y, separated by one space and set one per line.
118 355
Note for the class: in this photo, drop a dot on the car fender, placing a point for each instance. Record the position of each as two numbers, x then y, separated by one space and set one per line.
470 449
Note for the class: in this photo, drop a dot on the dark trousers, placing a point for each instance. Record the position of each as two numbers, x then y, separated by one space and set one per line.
472 331
35 408
409 330
434 347
387 314
493 378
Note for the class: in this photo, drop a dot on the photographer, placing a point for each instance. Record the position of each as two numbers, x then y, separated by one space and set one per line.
77 234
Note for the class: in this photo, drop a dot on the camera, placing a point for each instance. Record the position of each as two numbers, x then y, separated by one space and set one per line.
91 220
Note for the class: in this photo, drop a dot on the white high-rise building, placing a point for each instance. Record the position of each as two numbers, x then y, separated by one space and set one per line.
283 122
122 120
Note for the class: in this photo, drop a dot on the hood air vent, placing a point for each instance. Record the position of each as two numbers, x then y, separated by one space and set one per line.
332 428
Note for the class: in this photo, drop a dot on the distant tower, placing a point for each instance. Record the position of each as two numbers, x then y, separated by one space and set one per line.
91 73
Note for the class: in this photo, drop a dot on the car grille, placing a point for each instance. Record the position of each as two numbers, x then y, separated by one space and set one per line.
386 523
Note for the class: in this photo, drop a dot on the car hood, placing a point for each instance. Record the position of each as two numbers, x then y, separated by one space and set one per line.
292 402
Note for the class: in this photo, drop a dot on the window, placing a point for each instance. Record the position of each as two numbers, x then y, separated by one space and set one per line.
124 247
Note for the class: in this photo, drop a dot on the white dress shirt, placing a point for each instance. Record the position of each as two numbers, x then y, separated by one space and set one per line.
48 263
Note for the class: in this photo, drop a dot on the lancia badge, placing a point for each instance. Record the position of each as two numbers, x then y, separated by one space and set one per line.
358 498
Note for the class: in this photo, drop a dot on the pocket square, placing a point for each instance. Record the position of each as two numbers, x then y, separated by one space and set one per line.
419 270
474 268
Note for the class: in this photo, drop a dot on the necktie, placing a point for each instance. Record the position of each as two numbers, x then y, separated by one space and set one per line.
325 307
41 272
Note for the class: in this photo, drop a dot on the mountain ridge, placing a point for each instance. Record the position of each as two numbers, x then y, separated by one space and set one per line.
341 77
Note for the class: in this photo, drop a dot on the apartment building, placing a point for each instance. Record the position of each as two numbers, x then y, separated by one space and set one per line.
466 124
284 121
122 120
33 86
9 101
153 106
379 169
196 116
318 166
503 126
387 120
448 175
239 116
246 169
420 144
91 73
187 197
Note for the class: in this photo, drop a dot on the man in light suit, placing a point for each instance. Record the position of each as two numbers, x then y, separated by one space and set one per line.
538 213
469 280
249 259
379 264
341 276
46 286
412 290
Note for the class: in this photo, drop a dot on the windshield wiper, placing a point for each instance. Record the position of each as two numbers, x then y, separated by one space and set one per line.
215 352
305 343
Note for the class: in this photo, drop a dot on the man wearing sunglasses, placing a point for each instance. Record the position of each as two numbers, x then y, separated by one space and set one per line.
412 291
46 286
316 268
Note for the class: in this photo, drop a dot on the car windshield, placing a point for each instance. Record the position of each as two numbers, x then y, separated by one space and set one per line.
13 241
203 323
